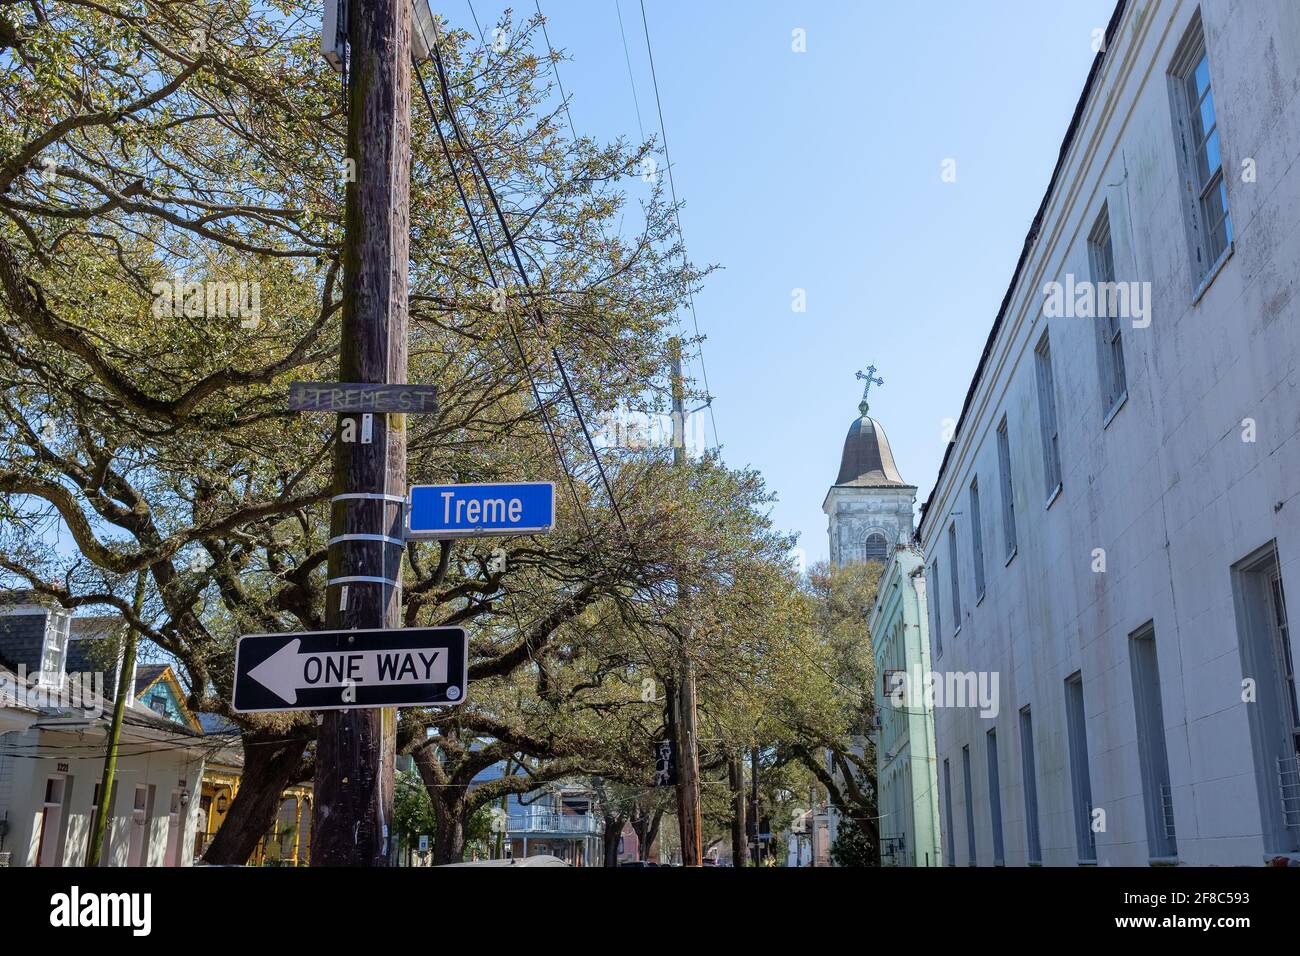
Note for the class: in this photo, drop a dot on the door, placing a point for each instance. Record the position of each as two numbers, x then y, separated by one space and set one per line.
139 827
174 814
50 825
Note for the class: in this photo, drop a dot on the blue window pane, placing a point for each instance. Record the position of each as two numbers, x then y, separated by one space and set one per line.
1212 157
1207 114
1201 75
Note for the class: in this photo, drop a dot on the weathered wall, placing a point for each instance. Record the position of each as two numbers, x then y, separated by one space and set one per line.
1168 488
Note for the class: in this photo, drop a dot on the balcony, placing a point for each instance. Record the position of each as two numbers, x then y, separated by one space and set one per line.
544 821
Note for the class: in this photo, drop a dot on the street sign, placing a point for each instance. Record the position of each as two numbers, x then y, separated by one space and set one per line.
362 397
343 670
424 843
461 511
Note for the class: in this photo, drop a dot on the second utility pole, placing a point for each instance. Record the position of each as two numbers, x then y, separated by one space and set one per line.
353 811
688 749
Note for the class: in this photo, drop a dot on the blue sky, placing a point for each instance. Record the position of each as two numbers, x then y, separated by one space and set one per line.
821 171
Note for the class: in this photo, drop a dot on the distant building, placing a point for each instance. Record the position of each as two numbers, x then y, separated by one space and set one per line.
869 513
869 508
288 842
808 840
560 818
1116 525
906 780
53 739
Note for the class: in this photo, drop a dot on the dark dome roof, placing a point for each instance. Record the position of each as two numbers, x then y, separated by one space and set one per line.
867 461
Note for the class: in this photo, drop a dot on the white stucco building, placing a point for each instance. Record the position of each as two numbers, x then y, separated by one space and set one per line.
53 740
1116 524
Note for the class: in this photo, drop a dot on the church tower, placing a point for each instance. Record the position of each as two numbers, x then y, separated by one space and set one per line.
869 508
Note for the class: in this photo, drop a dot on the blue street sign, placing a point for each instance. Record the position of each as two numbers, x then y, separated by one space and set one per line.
462 511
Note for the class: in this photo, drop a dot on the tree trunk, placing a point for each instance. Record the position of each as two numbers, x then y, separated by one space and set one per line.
449 837
270 765
739 834
647 831
613 831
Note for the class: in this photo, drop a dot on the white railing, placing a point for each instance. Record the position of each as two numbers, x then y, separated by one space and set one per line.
544 821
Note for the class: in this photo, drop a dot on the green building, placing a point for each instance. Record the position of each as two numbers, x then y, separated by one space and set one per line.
907 778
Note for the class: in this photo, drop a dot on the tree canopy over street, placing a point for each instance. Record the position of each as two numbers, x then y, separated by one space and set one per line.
150 153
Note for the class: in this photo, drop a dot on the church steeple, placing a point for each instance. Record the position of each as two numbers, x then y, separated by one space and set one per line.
869 508
867 459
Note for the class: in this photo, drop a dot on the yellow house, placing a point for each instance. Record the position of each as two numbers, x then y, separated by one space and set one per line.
287 843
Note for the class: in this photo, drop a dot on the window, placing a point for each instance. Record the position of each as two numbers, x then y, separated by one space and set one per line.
1157 795
995 797
938 621
158 703
1047 418
1268 659
952 577
1079 778
1202 160
1034 843
877 547
977 539
950 846
970 806
1110 350
1008 499
55 648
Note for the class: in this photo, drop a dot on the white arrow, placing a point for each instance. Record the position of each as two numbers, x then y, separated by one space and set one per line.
288 670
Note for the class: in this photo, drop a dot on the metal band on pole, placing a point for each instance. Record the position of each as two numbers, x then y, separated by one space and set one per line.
400 542
362 579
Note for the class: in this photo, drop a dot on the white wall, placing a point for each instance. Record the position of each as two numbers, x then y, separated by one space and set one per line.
81 761
1168 489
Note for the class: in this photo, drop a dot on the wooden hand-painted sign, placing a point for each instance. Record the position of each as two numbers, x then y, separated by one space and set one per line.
362 397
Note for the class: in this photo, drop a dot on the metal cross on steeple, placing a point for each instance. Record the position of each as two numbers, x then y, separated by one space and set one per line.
870 376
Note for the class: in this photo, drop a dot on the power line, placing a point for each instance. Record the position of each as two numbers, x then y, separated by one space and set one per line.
677 214
636 101
555 70
523 274
487 261
478 26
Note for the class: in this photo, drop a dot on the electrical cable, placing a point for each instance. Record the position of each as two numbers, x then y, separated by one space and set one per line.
523 274
672 185
523 357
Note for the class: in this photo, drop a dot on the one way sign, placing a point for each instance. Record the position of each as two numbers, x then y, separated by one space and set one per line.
342 670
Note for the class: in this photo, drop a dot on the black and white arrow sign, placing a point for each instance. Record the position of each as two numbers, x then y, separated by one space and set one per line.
340 670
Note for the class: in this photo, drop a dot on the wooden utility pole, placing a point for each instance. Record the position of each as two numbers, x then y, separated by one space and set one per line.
753 805
739 835
353 811
688 752
130 640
